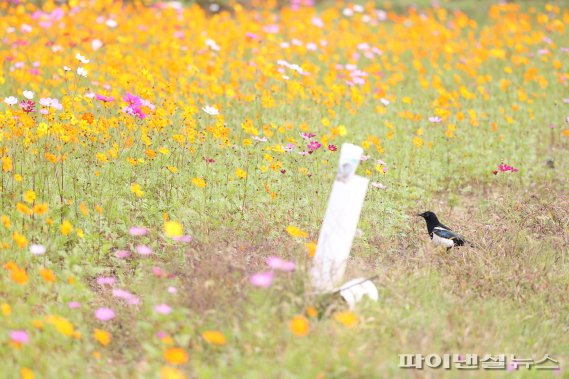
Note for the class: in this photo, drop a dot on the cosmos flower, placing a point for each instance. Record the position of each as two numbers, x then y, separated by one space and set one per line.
163 309
81 58
28 95
104 314
279 264
212 111
262 279
37 249
82 72
19 336
137 231
11 100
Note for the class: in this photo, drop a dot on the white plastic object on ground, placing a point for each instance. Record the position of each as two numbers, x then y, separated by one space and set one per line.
354 290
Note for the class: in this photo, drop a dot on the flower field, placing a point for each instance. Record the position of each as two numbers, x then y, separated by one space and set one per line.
165 170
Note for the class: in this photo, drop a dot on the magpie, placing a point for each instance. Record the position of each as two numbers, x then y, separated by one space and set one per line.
440 234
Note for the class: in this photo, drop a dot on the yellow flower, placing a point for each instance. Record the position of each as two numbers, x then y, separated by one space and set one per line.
214 337
171 373
6 309
83 209
23 209
176 356
40 209
79 232
26 373
173 229
20 240
241 174
137 190
6 221
172 169
7 164
199 182
296 232
61 324
347 318
66 228
102 337
311 247
29 196
299 326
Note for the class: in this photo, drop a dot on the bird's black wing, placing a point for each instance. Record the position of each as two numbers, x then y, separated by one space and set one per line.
449 235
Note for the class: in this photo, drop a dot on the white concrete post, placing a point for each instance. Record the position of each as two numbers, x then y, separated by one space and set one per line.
340 222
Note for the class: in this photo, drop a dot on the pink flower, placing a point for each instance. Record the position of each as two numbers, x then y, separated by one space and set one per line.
19 336
512 366
435 119
172 290
106 280
184 239
104 99
364 158
378 185
104 314
137 231
289 147
307 136
262 279
332 147
73 304
277 263
122 254
163 309
143 250
314 145
126 296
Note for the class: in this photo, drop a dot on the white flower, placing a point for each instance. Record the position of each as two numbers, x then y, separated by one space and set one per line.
212 44
11 100
67 68
37 249
212 111
28 95
82 72
81 58
96 44
111 23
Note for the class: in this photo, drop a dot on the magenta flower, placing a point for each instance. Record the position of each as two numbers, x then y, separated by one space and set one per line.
106 280
314 145
277 263
137 231
505 168
104 99
27 106
19 336
332 147
132 100
262 279
104 314
143 250
163 309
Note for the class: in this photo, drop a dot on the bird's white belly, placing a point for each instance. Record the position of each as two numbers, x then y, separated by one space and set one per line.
439 241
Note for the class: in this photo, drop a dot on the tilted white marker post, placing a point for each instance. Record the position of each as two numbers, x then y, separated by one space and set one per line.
338 231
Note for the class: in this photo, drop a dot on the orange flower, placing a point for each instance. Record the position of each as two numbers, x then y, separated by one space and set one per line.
214 337
102 337
176 356
299 326
47 275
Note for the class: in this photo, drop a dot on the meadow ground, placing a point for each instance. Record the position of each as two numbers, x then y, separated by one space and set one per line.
153 158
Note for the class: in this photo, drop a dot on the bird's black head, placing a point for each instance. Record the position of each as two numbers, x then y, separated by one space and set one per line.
428 215
431 219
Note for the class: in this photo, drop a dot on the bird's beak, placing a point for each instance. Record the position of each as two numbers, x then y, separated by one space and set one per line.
421 215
